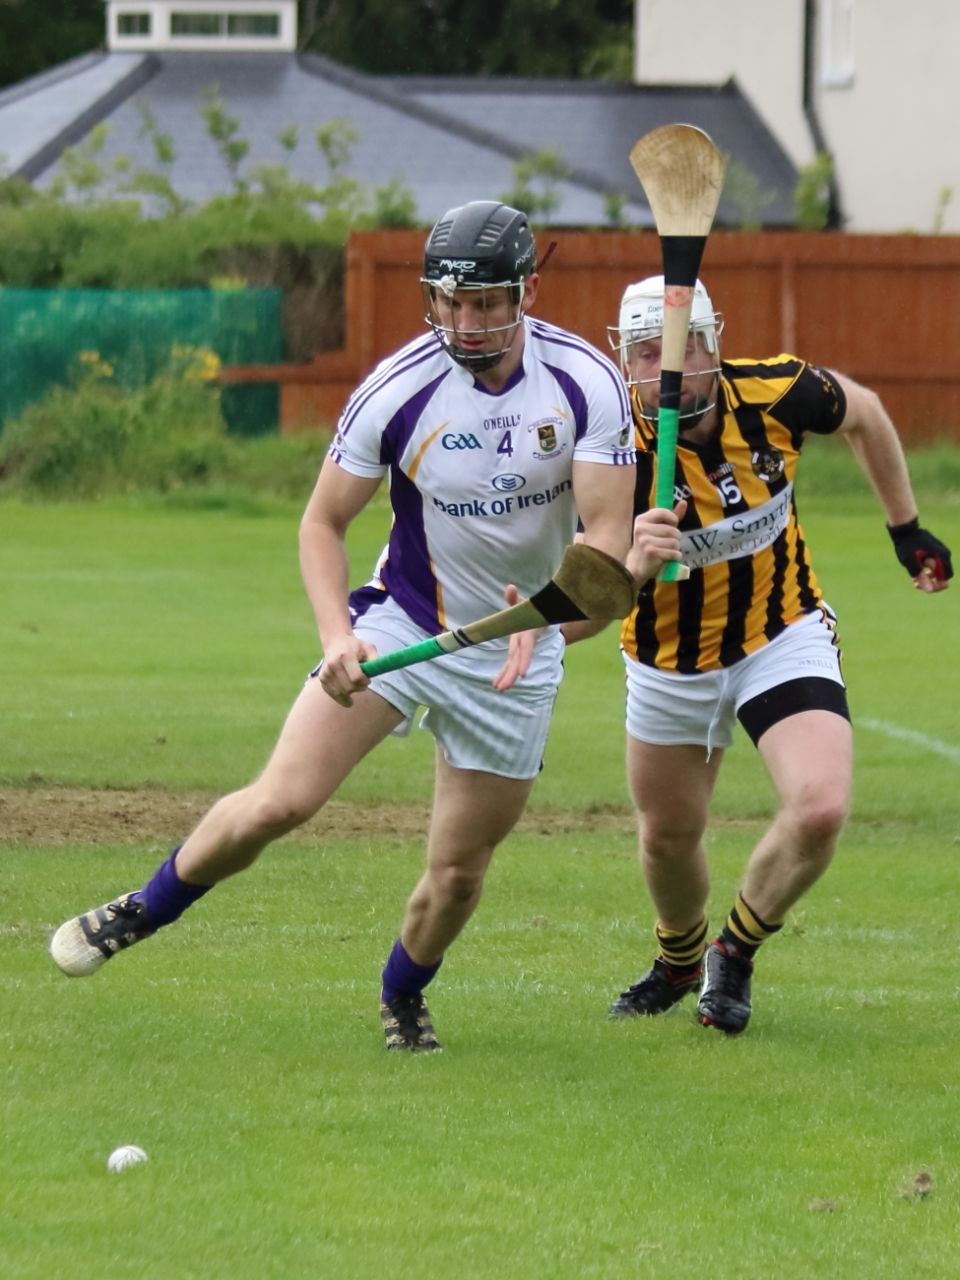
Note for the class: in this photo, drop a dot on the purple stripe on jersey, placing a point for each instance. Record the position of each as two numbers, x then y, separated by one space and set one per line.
407 572
407 358
563 338
404 422
365 599
574 393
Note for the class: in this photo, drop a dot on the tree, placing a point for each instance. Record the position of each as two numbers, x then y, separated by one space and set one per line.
31 42
567 38
571 38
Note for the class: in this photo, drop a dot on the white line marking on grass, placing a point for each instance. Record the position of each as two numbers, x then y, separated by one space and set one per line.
911 735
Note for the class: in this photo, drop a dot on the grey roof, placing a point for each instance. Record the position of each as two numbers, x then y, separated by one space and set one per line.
449 140
40 116
594 124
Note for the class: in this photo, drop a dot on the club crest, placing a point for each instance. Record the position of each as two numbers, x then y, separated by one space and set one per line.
767 463
547 437
550 438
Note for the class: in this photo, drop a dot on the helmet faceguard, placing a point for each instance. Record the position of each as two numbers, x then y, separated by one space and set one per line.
473 251
641 319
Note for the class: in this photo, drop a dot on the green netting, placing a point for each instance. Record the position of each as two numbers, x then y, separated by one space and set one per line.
43 331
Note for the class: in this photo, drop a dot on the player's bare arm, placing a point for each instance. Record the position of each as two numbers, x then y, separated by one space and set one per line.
872 436
604 497
655 542
337 499
604 500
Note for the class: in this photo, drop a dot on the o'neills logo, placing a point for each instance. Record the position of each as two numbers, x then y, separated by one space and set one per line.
457 264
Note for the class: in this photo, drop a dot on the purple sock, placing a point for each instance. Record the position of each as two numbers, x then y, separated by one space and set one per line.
403 976
165 896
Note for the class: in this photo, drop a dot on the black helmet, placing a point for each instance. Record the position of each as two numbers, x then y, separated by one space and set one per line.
483 242
481 245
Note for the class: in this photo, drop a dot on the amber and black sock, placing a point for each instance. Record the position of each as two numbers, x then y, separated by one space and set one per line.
745 930
683 952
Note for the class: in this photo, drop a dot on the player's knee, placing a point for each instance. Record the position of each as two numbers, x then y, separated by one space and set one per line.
665 841
820 818
458 883
270 816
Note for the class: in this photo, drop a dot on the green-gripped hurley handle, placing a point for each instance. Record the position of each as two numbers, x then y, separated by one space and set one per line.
588 584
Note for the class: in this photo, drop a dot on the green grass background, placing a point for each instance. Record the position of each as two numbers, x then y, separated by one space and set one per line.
159 646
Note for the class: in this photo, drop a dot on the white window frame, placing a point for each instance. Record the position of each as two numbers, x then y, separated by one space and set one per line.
193 15
129 15
283 13
838 61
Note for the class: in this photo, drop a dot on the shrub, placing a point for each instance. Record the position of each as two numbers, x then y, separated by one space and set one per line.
811 196
96 437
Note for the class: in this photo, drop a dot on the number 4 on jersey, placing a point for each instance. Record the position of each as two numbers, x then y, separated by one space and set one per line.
506 445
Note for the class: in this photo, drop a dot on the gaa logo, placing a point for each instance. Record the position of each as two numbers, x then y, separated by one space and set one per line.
450 441
508 484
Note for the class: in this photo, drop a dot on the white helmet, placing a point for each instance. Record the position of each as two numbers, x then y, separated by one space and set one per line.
641 315
641 318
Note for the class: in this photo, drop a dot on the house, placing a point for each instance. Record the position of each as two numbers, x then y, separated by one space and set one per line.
447 140
870 82
773 83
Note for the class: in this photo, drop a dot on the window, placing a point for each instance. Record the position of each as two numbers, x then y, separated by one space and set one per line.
133 24
838 60
253 24
263 25
196 24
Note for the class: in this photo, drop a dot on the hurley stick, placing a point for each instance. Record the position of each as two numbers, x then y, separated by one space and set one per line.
681 172
588 584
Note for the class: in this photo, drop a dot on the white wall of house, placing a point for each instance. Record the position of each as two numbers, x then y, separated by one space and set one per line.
886 90
893 127
152 25
759 42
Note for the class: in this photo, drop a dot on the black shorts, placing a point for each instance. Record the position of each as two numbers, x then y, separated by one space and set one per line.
808 693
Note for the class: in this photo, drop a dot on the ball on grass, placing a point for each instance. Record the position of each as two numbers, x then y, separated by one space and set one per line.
125 1157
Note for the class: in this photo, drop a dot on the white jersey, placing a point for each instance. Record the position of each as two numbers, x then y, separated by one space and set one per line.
480 481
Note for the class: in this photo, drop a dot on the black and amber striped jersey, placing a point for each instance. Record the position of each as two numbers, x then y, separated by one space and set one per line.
751 574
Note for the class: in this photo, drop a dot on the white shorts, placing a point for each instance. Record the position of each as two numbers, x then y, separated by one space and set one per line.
476 726
670 709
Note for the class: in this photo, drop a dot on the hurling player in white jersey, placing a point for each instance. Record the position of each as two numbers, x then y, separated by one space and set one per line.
497 433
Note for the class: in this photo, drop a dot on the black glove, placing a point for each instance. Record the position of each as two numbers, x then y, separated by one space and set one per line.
914 545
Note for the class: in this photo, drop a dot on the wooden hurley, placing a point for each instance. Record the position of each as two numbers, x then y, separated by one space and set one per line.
681 172
588 584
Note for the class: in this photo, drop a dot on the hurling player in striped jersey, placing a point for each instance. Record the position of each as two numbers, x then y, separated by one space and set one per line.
748 636
496 432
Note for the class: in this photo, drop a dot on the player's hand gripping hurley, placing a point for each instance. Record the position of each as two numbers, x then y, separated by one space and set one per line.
588 584
681 172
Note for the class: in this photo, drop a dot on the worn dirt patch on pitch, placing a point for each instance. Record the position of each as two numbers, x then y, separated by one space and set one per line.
48 815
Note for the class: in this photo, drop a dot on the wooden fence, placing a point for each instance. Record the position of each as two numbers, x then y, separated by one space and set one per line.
884 309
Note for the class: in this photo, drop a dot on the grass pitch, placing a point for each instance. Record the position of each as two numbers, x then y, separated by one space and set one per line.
158 650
